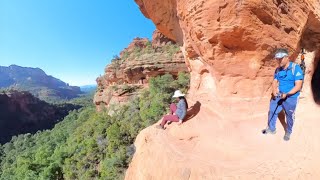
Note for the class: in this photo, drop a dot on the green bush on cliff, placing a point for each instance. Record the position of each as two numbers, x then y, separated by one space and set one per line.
157 99
171 49
87 144
125 55
138 52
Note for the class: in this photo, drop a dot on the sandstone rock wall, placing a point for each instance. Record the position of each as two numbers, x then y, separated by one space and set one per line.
228 47
234 41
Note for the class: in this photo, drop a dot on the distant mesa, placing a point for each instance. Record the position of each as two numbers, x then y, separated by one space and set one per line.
88 88
37 82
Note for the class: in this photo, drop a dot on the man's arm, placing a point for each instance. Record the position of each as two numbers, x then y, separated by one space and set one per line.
275 84
275 87
298 76
297 87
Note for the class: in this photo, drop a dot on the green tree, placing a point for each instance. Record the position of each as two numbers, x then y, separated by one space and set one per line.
87 144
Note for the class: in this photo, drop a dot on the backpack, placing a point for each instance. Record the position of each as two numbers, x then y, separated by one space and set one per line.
293 68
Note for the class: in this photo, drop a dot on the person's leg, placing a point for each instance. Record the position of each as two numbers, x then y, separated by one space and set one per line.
274 110
167 118
173 108
290 107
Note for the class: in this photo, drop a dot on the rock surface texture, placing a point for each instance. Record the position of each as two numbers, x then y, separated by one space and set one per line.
228 47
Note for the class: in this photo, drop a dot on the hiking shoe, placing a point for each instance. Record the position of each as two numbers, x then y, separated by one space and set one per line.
159 127
286 137
268 131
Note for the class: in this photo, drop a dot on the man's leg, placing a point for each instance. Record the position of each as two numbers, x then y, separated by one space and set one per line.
290 107
274 110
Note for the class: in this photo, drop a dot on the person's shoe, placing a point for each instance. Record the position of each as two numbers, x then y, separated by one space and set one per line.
159 127
268 131
286 137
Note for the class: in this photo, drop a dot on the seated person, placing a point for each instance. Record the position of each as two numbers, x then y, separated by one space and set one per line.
177 112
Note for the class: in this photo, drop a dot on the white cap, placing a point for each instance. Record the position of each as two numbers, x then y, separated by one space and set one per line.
280 55
177 93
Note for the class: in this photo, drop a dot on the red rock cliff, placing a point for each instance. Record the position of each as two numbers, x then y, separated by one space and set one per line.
236 39
138 62
228 46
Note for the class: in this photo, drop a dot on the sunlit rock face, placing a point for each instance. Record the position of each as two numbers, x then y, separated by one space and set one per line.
235 40
229 47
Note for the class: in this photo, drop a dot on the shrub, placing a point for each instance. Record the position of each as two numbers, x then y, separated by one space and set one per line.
125 55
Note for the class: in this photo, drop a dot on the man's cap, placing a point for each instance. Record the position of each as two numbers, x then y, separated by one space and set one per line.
281 54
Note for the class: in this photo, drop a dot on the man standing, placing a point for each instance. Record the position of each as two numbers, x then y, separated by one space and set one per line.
286 88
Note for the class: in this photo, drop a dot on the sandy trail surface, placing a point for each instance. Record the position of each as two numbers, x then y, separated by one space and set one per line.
230 145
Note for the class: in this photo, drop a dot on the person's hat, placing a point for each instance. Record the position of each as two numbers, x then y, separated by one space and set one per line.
281 54
177 93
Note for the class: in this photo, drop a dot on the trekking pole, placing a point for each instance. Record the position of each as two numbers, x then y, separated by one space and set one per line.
278 104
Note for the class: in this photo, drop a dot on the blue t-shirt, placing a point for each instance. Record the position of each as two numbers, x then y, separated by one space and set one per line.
287 79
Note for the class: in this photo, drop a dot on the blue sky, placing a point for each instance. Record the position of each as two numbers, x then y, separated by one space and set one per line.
72 40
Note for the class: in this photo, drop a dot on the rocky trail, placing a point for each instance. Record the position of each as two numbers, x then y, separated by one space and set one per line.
210 147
